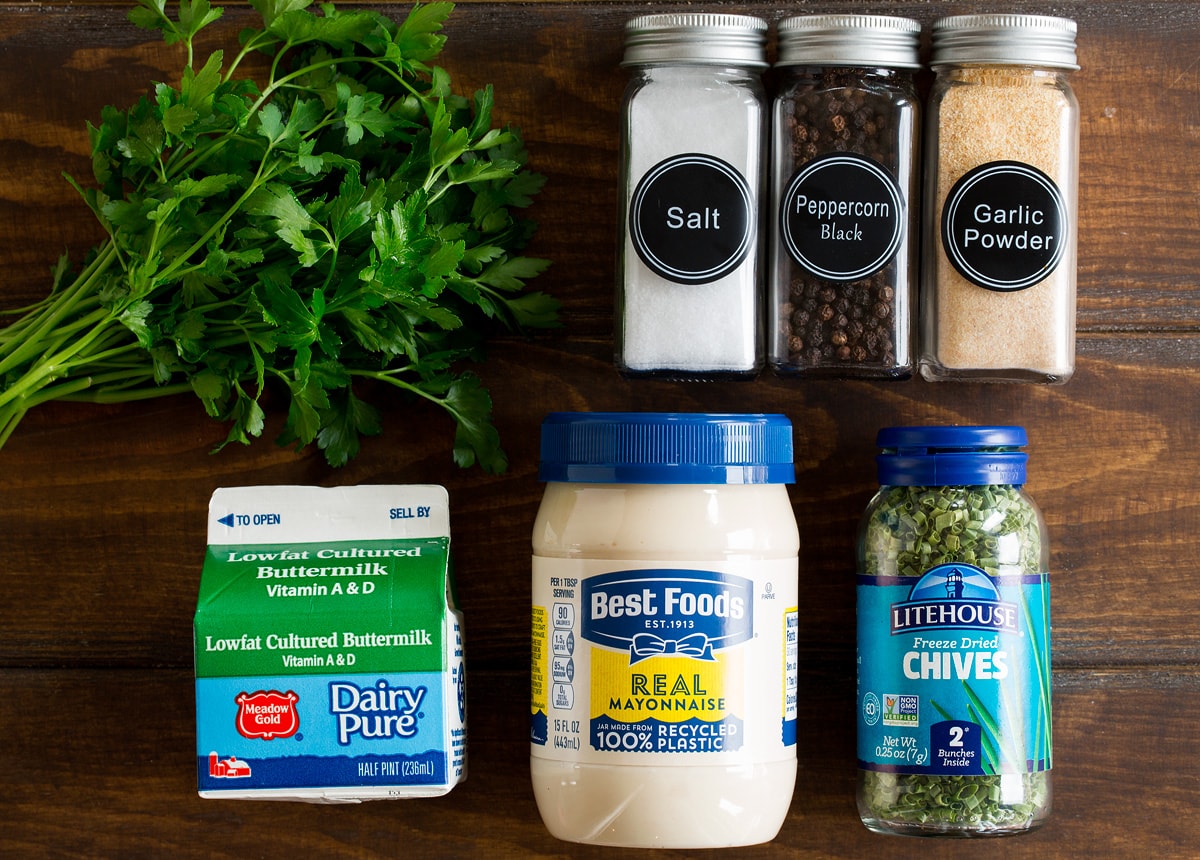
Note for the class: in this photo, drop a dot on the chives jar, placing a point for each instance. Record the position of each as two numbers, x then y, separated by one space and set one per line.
954 673
844 161
692 147
1002 168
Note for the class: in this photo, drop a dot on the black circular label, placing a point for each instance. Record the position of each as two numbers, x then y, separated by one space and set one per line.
692 219
1004 226
842 216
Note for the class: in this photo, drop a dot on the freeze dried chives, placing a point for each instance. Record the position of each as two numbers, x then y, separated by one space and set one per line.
954 728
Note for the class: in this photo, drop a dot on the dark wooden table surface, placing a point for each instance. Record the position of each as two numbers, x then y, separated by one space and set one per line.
102 509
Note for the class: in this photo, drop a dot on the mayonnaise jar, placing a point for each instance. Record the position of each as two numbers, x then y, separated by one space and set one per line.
665 622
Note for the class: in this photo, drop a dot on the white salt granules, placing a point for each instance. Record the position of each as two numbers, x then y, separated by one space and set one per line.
692 328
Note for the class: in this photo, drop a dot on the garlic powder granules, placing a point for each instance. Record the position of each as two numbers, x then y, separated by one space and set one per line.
1002 145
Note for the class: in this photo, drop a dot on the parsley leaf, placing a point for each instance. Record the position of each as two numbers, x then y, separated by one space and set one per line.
343 228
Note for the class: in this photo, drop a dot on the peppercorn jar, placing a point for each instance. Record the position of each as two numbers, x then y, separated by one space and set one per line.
954 673
844 197
1002 165
693 141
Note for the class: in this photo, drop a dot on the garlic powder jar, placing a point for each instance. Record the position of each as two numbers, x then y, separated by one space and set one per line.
1002 179
665 629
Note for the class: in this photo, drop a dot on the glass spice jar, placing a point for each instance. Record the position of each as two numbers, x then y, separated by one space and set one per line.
844 160
954 672
1002 149
693 141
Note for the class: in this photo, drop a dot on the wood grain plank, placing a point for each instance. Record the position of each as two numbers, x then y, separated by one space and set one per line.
105 506
102 507
108 770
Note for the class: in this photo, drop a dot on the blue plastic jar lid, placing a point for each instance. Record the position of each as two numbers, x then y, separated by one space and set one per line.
666 448
951 456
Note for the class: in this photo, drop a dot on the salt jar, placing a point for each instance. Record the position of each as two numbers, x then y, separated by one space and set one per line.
693 140
845 197
665 639
1002 150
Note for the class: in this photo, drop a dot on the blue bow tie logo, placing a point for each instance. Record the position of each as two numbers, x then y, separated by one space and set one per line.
646 645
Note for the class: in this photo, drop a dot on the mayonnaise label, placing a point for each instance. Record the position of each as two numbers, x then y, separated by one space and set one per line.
685 664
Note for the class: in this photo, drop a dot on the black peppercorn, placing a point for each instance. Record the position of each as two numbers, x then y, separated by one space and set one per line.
845 243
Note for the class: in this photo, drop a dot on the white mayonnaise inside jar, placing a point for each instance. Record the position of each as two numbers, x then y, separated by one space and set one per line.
665 622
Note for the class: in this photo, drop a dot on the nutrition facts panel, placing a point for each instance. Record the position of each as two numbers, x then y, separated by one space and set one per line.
562 664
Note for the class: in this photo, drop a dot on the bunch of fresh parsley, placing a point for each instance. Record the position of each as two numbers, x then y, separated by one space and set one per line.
347 223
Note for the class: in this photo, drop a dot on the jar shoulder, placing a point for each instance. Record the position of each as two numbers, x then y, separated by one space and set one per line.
649 521
854 87
907 530
1033 87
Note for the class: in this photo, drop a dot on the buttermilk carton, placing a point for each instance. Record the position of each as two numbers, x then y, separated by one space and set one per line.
329 659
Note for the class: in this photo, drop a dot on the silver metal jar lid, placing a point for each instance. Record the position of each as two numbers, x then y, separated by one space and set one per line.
1009 40
710 39
875 41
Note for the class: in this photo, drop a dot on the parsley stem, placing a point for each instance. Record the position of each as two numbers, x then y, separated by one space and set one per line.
9 419
53 365
34 345
102 393
79 295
